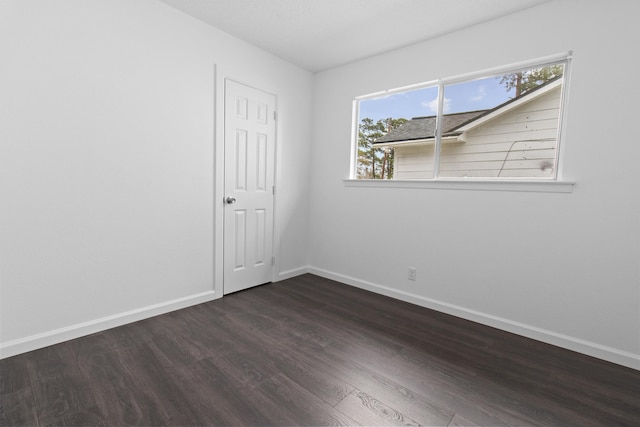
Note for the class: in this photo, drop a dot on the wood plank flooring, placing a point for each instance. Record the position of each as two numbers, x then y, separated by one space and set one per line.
310 351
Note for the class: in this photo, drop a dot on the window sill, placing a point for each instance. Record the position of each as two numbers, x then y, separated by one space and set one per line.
467 184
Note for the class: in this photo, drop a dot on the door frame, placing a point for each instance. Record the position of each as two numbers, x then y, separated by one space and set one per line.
219 184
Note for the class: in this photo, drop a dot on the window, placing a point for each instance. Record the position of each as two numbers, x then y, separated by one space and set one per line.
502 124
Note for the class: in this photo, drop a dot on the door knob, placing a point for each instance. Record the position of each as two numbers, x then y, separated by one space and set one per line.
230 200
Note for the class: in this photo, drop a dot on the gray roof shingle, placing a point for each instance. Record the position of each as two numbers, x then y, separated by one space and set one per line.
425 127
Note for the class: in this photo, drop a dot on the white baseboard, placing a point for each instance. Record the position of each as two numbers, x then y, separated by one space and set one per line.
284 275
34 342
45 339
599 351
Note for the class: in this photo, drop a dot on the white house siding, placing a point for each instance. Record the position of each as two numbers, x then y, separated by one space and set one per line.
413 162
520 143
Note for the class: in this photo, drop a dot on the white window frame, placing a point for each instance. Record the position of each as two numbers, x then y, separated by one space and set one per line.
552 184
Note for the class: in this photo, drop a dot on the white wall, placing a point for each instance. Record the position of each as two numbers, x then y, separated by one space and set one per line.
563 268
108 176
108 169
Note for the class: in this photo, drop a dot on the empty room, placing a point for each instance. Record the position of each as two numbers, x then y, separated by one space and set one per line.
319 212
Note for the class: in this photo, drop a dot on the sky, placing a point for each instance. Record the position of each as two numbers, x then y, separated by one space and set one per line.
468 96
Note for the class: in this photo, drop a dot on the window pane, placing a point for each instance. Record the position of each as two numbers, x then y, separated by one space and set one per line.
390 130
502 126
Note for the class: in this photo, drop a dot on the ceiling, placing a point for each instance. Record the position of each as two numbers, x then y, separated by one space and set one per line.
321 34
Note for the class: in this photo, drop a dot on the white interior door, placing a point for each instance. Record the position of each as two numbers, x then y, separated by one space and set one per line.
249 138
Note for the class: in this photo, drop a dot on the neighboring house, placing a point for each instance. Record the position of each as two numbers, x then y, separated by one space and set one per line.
515 139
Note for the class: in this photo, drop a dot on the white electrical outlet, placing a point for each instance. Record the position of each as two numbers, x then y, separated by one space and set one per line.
412 274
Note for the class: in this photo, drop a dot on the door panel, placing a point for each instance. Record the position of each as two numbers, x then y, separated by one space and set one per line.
250 130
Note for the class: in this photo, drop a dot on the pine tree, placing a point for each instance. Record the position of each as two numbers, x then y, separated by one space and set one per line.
526 80
373 162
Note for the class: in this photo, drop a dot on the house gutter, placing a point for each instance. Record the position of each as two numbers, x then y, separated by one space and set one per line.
416 142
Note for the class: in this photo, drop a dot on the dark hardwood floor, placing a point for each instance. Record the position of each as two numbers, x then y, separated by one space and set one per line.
310 351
